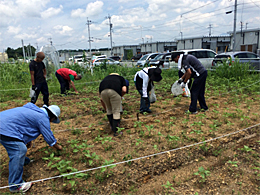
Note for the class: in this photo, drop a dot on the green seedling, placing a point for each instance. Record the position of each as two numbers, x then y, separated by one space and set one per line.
128 157
196 131
51 159
203 174
246 149
138 141
91 157
233 163
168 186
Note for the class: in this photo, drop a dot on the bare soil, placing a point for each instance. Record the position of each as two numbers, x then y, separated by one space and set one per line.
232 161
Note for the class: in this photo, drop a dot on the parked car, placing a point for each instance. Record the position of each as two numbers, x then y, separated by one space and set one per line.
117 58
143 61
136 57
242 57
108 61
205 56
98 57
160 60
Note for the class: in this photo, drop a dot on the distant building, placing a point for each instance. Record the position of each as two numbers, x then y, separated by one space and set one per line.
247 40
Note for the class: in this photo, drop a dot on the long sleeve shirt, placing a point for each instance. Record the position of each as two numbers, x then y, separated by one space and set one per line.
26 123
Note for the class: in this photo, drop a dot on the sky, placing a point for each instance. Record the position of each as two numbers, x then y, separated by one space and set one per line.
64 22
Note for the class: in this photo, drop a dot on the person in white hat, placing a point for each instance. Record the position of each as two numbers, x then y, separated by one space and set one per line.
18 127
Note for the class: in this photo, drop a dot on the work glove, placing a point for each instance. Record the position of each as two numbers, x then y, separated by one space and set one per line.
33 87
146 100
183 85
180 80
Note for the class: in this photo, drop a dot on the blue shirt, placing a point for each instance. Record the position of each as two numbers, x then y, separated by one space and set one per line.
26 124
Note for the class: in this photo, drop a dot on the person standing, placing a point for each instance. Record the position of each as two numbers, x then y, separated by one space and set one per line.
112 88
144 82
38 78
18 127
193 69
66 79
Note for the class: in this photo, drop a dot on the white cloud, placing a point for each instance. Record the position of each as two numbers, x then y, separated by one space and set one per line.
31 8
25 36
92 9
51 12
14 29
63 30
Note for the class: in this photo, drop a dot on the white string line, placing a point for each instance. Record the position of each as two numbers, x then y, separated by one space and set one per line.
55 86
139 158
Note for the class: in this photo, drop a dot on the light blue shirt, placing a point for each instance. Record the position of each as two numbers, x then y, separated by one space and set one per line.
26 123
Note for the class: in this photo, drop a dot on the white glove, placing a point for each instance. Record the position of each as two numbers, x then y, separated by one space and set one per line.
183 85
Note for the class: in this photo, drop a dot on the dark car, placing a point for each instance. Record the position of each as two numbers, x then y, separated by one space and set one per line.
242 57
136 57
117 58
159 60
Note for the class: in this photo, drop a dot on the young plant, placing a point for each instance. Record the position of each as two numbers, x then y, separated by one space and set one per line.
51 159
203 174
168 186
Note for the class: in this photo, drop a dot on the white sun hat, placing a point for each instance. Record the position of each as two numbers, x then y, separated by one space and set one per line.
54 110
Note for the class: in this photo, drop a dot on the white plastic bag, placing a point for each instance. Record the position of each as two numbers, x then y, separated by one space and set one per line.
176 89
32 92
153 96
186 91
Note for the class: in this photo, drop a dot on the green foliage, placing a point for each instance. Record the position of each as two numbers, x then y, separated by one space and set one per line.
203 174
51 159
168 186
232 70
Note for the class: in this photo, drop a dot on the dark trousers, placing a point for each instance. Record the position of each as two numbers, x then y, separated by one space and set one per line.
198 92
43 88
64 84
180 73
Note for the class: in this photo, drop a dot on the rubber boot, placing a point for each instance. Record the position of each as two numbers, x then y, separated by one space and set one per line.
116 123
110 119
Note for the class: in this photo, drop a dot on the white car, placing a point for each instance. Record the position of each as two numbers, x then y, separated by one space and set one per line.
108 61
205 56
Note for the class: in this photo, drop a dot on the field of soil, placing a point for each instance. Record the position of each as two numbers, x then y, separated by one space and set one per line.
226 165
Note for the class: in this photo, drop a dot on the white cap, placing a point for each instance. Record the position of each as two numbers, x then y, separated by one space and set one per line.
55 110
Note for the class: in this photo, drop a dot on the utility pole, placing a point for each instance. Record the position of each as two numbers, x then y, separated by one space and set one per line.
241 23
210 27
23 52
30 50
110 28
89 40
234 29
50 41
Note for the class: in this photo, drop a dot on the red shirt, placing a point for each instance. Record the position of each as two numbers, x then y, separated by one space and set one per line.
65 72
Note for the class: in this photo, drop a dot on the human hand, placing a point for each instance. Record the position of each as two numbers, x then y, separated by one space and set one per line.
180 80
183 85
57 146
29 144
33 87
76 92
146 100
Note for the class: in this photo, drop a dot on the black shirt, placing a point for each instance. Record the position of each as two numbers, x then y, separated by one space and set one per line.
37 67
190 61
114 82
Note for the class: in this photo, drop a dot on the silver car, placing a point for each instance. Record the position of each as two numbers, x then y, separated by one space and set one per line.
242 57
144 60
108 61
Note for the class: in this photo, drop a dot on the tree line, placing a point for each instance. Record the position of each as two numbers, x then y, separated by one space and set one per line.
29 51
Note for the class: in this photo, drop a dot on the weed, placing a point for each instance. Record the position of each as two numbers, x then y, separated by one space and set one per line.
203 174
168 186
